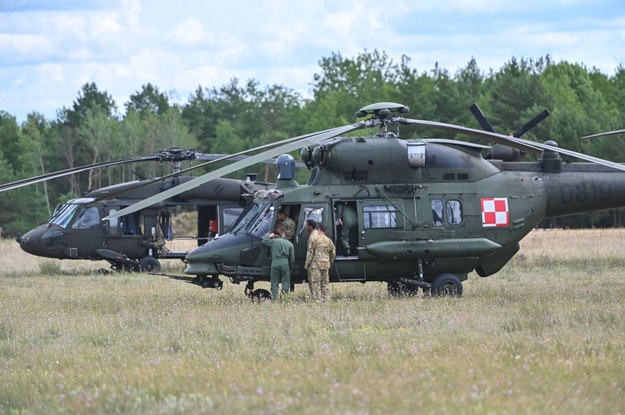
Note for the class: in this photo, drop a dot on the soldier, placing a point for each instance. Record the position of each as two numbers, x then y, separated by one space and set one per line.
286 225
348 220
319 257
311 228
282 260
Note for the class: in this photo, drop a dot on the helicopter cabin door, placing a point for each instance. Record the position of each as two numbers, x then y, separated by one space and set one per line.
379 220
85 234
127 235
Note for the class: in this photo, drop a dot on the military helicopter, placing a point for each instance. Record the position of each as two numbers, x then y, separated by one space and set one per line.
429 210
136 242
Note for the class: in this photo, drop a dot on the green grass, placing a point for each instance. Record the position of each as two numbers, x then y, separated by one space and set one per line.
542 336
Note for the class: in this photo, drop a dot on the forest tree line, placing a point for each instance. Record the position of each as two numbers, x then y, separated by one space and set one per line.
241 115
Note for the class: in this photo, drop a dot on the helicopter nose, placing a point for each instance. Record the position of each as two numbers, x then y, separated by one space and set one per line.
38 241
29 243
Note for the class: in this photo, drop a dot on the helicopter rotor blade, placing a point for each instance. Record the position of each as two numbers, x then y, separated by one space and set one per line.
48 176
289 145
519 143
531 123
214 158
481 118
616 132
529 146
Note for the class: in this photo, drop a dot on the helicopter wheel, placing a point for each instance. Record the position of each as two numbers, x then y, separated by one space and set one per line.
149 264
446 285
260 295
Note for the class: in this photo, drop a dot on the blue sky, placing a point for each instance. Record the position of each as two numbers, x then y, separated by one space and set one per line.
49 49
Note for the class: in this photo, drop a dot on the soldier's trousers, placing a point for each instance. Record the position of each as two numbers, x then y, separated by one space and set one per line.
280 275
319 281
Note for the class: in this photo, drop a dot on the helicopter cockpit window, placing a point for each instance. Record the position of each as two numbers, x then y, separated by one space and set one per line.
380 216
89 218
453 212
64 215
261 226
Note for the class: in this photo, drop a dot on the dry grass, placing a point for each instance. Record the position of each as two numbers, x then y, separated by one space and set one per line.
545 335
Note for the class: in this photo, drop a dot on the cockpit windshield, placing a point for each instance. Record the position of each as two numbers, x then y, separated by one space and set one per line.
261 226
63 215
257 220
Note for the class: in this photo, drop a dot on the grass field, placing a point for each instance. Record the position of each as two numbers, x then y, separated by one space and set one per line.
545 335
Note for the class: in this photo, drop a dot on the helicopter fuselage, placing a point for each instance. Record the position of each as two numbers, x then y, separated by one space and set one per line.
424 208
76 229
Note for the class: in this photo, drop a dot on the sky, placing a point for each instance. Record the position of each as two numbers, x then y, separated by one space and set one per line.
50 48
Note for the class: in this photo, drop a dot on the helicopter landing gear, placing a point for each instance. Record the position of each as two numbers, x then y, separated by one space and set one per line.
260 295
149 264
446 285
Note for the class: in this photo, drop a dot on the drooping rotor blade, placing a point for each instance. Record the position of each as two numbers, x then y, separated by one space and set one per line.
48 176
616 132
531 123
481 118
530 147
214 158
519 143
290 145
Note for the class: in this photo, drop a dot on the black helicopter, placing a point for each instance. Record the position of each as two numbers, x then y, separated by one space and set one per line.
429 211
136 241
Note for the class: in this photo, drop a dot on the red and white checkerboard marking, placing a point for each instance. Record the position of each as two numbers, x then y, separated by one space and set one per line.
495 212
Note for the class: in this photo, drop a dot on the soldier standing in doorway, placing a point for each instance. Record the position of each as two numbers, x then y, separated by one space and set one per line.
286 225
348 220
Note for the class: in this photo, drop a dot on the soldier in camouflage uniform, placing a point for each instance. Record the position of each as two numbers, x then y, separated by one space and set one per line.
319 257
282 261
286 225
311 228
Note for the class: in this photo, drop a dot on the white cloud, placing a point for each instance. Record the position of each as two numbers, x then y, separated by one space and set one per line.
47 53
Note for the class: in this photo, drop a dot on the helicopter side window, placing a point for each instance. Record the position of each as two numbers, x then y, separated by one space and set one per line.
89 218
453 212
380 217
131 224
437 212
449 211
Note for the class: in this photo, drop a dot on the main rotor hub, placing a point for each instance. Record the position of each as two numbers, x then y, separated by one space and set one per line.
175 154
382 115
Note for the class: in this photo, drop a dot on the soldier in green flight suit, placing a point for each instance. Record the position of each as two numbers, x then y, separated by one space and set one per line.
282 260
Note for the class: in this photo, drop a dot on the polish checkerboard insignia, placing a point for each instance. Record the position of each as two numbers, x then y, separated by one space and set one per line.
495 212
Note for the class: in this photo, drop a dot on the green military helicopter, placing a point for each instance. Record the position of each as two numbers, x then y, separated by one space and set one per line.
136 242
429 211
